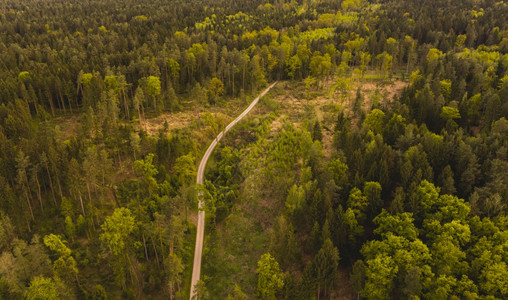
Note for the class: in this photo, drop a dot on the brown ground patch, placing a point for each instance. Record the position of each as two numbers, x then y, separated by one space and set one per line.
175 121
299 105
68 125
189 117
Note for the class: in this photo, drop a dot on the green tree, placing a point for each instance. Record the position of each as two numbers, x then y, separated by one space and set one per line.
283 242
494 279
153 89
7 233
375 121
317 134
358 203
372 191
446 181
293 66
146 170
138 103
174 70
185 169
358 276
432 58
237 294
449 113
320 65
326 263
339 172
380 274
65 267
295 199
446 88
398 224
115 237
70 228
270 278
174 269
42 288
116 230
215 89
198 94
22 163
21 263
200 291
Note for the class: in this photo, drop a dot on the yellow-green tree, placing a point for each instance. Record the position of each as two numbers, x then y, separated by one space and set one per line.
215 89
153 89
270 278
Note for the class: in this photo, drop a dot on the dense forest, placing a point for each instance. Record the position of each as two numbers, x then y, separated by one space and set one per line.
327 191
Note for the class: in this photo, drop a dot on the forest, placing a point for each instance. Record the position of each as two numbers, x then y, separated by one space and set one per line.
376 168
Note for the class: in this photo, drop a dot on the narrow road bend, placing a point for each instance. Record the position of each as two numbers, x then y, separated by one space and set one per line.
198 250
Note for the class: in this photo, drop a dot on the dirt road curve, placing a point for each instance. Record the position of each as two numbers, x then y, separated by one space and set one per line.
198 250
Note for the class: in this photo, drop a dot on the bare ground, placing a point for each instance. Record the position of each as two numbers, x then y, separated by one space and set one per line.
299 106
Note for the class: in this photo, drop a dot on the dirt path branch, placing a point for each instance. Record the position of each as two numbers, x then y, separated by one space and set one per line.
198 250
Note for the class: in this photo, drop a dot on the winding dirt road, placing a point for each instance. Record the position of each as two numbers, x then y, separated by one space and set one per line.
198 250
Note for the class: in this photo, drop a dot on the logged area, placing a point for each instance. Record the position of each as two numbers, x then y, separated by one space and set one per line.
372 162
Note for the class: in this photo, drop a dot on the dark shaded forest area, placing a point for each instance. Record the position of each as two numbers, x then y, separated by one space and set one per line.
411 202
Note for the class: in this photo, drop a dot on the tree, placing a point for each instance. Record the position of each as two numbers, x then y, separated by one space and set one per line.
317 134
357 276
446 181
174 269
372 191
115 237
174 69
146 170
138 102
99 293
116 230
22 163
185 169
134 143
339 172
65 266
398 224
42 288
342 85
320 65
153 89
21 263
283 242
270 278
495 279
385 61
358 203
215 89
293 66
200 291
375 121
326 263
446 88
237 294
198 94
449 113
432 58
70 229
380 274
7 233
295 199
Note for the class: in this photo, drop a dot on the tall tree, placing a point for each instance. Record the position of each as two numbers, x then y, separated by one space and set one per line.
326 263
